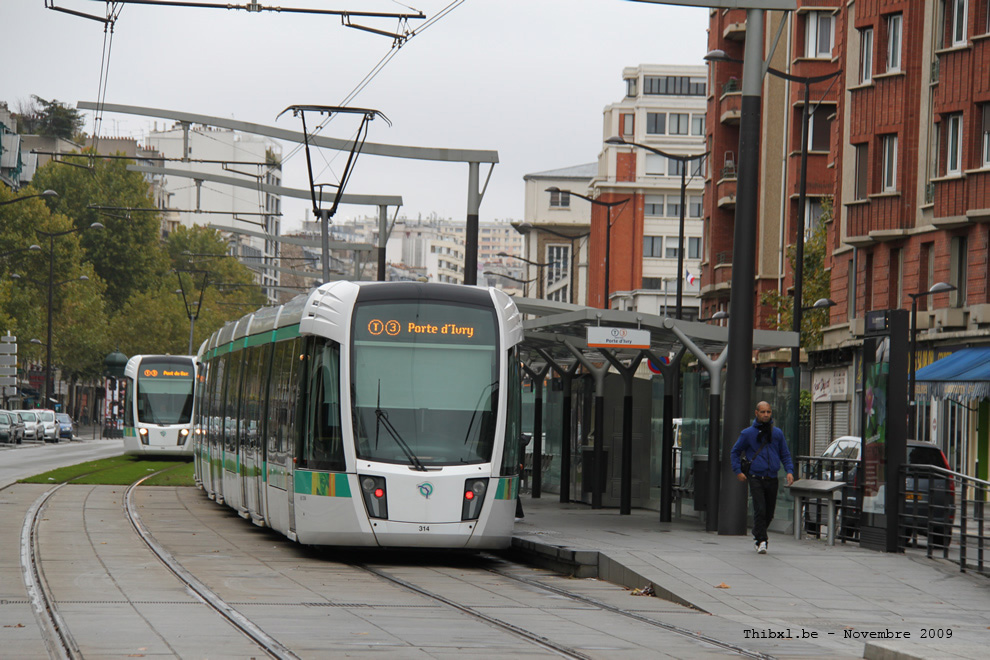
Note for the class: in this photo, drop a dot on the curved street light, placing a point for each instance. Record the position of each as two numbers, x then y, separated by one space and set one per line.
608 229
47 193
683 160
52 235
807 81
525 227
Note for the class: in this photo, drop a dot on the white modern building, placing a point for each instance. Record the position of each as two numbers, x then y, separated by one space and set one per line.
664 109
254 159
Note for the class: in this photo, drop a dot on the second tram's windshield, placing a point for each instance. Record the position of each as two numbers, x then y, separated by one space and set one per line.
165 392
425 382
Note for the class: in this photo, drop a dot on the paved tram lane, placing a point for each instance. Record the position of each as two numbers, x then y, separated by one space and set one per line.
118 600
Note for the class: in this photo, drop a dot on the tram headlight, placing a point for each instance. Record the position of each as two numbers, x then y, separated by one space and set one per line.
375 501
144 436
474 498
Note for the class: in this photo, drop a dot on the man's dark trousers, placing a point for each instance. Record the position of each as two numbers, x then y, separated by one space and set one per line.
764 493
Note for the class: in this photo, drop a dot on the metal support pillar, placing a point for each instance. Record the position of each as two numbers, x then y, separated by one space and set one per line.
471 230
627 373
598 373
382 240
567 378
538 375
730 507
714 368
671 380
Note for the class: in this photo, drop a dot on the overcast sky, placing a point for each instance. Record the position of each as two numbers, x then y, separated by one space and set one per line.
526 78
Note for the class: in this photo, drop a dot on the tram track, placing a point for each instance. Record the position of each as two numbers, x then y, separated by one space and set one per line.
265 642
734 648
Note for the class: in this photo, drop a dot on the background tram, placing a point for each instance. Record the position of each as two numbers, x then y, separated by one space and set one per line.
368 414
160 393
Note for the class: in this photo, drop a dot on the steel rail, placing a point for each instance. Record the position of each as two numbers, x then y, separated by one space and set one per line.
266 642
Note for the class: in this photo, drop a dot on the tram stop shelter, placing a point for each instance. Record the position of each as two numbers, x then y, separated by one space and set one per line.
556 340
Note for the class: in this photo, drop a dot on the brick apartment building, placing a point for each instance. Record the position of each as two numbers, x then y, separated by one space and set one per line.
901 145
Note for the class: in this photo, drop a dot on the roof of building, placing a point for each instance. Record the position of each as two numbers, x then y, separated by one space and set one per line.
586 171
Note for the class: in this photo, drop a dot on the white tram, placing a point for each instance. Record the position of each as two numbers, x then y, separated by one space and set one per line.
368 414
159 396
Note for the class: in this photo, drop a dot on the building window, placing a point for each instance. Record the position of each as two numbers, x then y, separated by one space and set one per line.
695 206
862 172
653 205
851 290
813 210
957 274
631 87
559 258
986 127
679 123
889 163
866 55
895 282
675 166
894 22
628 124
656 123
672 248
698 125
959 18
560 199
673 206
653 246
656 165
820 128
953 144
819 34
694 247
673 86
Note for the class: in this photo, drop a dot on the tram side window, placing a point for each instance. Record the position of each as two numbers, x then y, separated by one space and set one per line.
232 400
129 402
513 415
252 419
217 372
322 442
282 395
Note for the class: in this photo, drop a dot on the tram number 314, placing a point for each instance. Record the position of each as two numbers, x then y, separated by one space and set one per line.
424 528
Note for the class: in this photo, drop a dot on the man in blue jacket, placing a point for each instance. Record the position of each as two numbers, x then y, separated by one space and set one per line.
763 445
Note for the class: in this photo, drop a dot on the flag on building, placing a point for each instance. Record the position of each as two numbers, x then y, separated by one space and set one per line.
691 279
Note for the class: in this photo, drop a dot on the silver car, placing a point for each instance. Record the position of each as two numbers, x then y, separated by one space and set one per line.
31 423
47 425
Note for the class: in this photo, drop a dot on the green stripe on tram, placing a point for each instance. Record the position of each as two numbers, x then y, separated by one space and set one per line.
507 489
326 484
260 339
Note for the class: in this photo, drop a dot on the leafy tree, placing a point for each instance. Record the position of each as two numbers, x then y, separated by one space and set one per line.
78 318
126 253
816 283
50 119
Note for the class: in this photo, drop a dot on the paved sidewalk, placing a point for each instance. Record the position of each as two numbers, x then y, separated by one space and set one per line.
802 588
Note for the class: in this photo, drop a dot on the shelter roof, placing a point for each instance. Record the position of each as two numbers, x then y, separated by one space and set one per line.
551 324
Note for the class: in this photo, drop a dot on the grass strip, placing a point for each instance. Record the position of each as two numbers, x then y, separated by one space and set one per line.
119 471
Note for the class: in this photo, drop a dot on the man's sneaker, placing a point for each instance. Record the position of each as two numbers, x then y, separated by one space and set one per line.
762 548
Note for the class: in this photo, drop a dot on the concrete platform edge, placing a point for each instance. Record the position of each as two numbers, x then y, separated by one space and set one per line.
590 564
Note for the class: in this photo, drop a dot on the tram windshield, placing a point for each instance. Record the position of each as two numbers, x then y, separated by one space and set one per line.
425 382
165 392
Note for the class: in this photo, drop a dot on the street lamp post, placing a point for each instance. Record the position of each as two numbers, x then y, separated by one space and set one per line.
524 227
539 285
608 230
938 287
51 293
807 82
683 161
509 277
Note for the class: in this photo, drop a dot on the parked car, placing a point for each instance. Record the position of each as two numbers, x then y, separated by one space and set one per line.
48 427
31 423
11 427
66 427
924 496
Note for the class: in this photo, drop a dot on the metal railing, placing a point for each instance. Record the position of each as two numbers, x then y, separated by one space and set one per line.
942 512
949 510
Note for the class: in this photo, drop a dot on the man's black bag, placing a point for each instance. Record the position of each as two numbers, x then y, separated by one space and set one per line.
745 463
